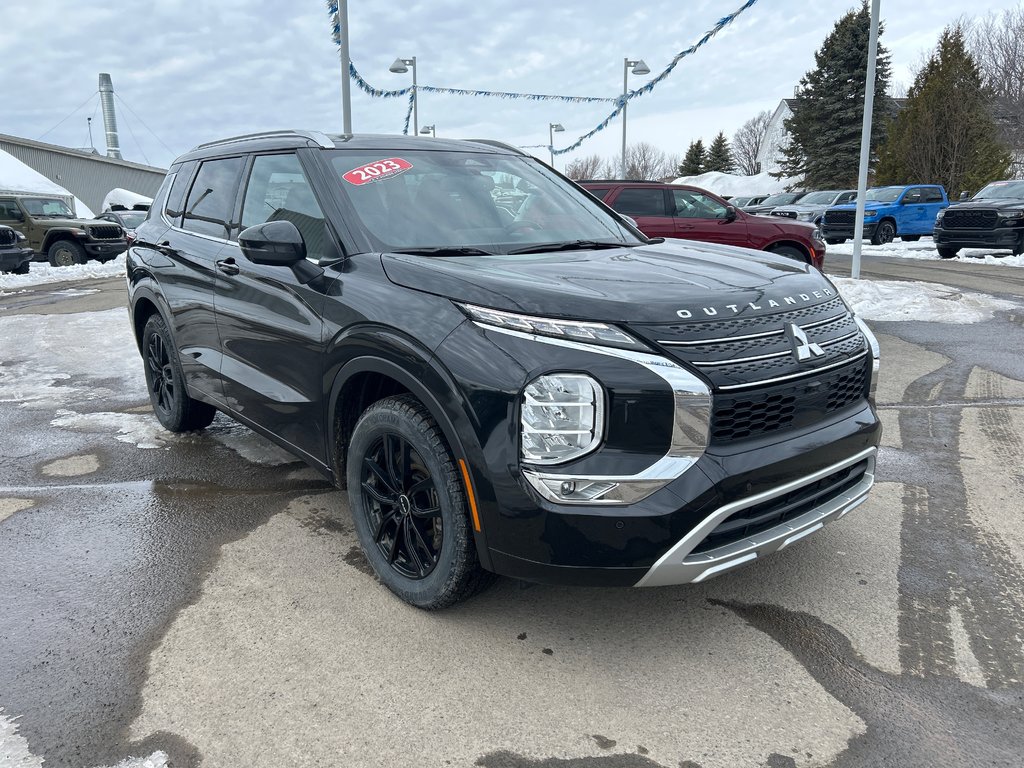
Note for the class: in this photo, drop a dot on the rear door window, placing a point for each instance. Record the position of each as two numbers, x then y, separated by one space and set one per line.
641 201
694 205
212 199
932 195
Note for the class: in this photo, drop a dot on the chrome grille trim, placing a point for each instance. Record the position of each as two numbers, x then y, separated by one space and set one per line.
789 377
738 360
748 337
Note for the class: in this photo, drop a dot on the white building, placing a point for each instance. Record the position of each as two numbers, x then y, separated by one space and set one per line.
776 138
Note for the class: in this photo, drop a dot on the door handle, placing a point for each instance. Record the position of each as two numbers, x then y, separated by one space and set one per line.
228 266
166 249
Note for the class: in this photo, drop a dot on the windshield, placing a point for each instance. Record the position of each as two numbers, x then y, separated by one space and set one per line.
495 203
42 206
783 198
1001 189
132 220
819 198
883 194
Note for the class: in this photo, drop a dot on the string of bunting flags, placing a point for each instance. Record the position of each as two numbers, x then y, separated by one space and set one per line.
619 101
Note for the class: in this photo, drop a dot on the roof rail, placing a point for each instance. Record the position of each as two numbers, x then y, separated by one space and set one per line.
617 181
320 138
499 144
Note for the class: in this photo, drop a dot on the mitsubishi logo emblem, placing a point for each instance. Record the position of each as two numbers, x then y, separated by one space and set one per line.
803 349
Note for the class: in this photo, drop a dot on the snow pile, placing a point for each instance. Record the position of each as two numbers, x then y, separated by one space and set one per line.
731 185
125 197
15 176
924 249
887 300
41 273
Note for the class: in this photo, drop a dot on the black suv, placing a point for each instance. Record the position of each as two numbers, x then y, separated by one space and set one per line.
14 255
541 392
993 218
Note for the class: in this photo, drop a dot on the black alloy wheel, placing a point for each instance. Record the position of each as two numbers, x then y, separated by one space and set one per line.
410 506
884 233
176 410
401 501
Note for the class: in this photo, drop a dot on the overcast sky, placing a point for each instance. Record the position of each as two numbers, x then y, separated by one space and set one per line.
184 75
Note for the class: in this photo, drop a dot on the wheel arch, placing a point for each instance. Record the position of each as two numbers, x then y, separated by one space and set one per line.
784 243
144 304
54 235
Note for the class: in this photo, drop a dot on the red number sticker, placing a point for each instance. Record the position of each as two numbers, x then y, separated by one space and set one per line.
381 169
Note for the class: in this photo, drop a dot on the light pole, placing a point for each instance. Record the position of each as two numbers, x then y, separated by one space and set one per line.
553 128
400 67
865 140
429 130
346 93
639 68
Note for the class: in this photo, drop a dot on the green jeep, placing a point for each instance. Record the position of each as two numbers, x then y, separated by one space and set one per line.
55 235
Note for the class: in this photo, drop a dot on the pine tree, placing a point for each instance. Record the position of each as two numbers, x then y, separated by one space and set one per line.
720 155
695 159
946 134
824 129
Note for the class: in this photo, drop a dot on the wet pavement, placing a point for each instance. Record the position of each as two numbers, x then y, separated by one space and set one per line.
202 597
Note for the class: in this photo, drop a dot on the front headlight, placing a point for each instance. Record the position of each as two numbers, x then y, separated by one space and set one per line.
808 216
574 330
562 417
940 214
1013 215
19 237
875 354
870 214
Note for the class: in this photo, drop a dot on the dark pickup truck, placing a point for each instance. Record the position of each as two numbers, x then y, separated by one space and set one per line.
993 218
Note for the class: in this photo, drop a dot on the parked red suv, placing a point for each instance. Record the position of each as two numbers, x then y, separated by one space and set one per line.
675 210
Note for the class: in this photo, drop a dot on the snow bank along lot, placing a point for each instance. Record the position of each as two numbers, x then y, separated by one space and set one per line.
924 249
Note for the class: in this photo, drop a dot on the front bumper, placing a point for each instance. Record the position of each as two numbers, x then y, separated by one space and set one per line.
13 258
1011 238
845 231
109 248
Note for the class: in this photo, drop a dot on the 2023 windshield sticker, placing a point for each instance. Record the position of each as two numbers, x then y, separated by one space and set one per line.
377 171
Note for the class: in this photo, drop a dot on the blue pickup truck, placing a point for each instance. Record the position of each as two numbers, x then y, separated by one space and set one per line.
906 212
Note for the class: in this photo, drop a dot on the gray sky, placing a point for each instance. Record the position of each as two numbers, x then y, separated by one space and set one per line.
236 66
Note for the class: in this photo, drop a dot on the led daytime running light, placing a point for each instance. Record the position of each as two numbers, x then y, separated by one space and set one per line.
575 330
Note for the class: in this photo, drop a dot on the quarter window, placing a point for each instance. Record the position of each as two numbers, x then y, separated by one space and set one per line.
278 190
210 203
640 202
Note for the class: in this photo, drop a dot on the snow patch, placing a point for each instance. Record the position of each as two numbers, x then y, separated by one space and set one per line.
15 176
41 273
731 185
924 249
887 300
125 197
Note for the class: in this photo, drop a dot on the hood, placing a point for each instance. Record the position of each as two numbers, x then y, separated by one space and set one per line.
869 205
997 203
649 284
803 207
69 223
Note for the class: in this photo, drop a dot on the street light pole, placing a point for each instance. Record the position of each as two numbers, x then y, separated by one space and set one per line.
553 128
865 140
429 130
401 66
639 68
346 92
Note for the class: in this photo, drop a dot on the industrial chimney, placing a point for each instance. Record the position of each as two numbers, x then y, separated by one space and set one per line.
109 118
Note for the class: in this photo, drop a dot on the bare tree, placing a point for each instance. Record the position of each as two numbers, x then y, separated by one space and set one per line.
995 42
643 161
587 167
747 141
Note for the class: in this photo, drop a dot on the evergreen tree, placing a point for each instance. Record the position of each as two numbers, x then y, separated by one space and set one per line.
720 155
695 159
946 134
824 129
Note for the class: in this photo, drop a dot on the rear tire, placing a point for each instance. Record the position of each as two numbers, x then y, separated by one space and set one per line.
409 507
64 253
173 406
947 253
835 240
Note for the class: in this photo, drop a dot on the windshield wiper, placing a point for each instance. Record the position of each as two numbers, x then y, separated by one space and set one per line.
571 245
444 250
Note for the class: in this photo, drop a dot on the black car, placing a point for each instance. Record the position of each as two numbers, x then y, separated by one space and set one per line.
545 394
993 218
14 255
770 203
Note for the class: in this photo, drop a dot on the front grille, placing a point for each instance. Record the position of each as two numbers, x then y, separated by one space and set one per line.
759 386
105 231
969 219
787 406
761 517
785 214
7 236
840 217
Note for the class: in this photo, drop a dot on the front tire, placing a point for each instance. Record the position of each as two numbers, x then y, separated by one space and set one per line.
173 406
64 253
910 238
23 269
884 233
409 507
947 253
791 252
835 240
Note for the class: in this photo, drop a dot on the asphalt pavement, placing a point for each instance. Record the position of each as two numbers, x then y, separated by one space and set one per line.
203 598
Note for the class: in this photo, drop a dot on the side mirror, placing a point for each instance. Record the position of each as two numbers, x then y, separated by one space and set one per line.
275 243
630 220
730 213
965 195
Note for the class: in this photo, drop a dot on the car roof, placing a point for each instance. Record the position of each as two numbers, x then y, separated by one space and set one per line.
294 139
